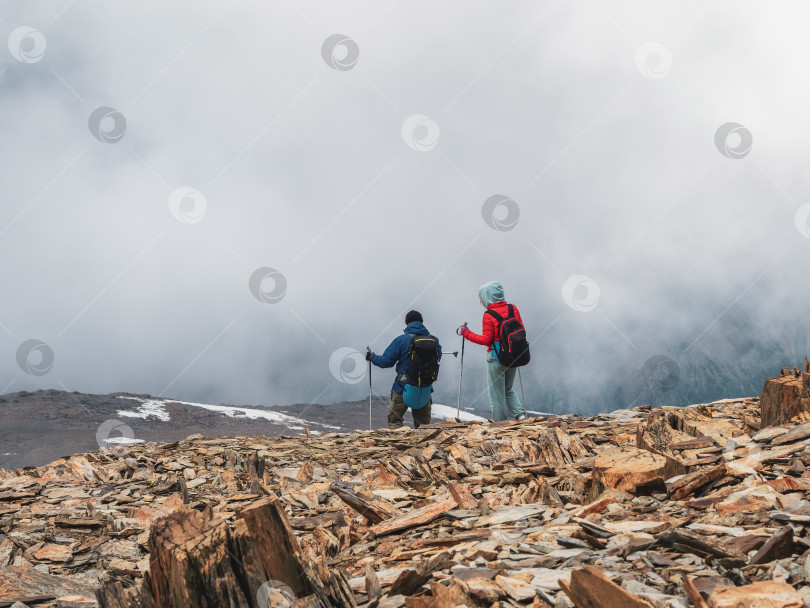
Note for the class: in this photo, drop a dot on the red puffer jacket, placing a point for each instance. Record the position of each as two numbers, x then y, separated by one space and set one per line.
490 332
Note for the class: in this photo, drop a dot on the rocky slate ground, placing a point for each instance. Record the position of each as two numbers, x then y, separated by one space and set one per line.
677 507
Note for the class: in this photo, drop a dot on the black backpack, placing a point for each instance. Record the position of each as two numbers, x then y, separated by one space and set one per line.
423 361
513 348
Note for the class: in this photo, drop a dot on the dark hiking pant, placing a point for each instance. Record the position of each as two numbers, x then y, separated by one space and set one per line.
397 409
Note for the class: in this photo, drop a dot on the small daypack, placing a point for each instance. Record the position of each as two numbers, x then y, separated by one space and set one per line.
512 350
423 361
423 369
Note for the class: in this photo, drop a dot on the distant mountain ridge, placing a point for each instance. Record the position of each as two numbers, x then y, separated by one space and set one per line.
39 427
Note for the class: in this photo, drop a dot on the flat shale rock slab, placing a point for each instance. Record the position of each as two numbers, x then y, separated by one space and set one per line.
27 585
764 594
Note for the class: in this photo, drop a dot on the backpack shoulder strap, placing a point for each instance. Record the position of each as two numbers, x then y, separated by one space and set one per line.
511 312
500 321
498 317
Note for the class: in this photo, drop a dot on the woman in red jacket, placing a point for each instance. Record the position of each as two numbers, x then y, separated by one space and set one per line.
502 398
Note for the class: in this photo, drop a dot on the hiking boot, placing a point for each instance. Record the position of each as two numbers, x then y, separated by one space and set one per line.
520 417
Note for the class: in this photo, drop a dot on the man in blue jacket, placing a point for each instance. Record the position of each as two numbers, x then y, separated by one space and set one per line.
397 353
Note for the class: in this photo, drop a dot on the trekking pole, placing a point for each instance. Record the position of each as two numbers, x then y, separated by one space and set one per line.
521 390
461 372
454 353
369 390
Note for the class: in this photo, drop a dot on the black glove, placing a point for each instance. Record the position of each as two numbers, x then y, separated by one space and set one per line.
369 354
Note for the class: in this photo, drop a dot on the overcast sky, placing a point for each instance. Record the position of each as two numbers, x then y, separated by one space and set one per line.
648 160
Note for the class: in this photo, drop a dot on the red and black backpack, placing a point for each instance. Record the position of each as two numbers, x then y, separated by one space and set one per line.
512 350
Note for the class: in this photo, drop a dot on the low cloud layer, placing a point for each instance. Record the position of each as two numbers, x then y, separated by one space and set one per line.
647 164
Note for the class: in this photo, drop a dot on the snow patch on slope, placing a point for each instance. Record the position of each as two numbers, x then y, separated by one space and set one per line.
122 441
156 407
445 411
448 411
148 407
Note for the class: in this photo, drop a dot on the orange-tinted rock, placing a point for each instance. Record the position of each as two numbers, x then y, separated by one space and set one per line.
589 587
784 398
764 594
690 483
145 515
54 553
698 422
484 590
515 588
629 468
749 500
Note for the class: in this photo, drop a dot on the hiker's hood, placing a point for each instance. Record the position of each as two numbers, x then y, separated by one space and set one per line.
416 329
490 293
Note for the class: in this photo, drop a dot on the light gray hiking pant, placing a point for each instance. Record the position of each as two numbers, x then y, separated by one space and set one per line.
503 400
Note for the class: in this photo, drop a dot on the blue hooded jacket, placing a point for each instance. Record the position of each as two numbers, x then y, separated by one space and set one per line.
397 353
